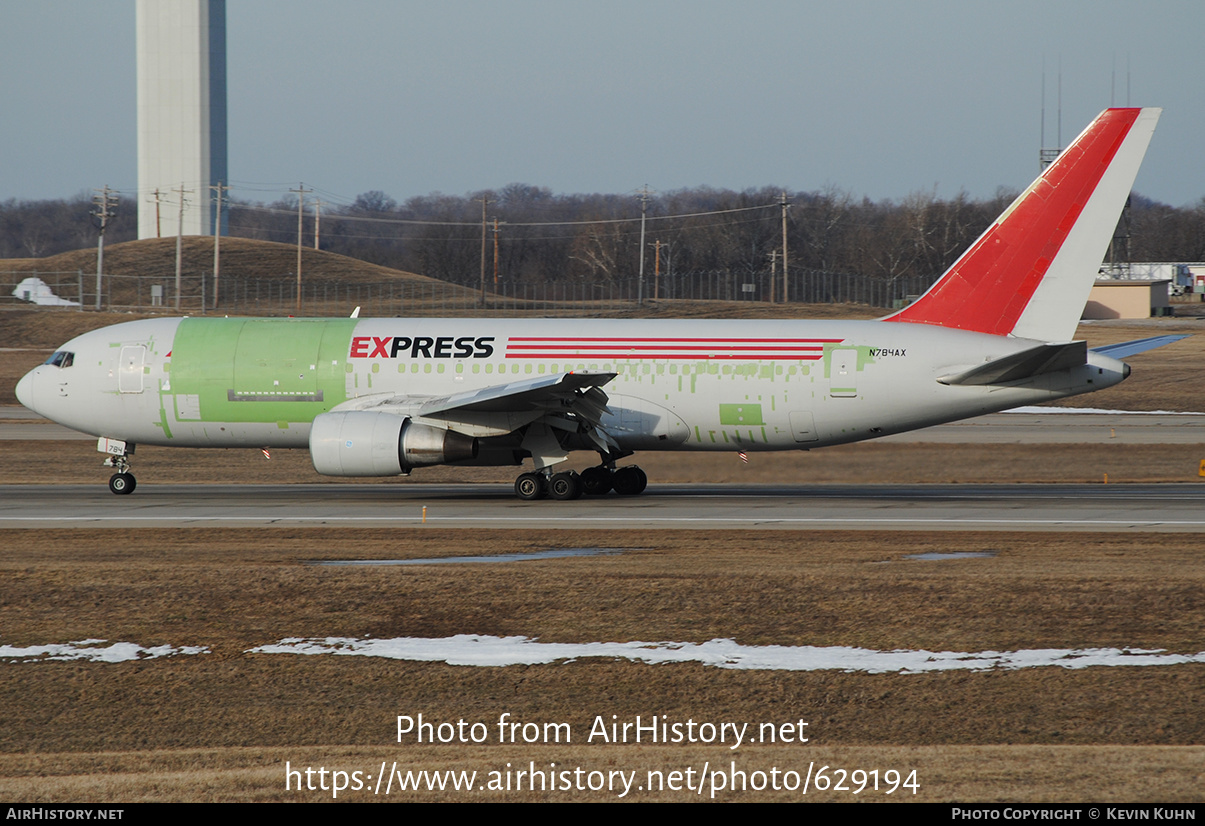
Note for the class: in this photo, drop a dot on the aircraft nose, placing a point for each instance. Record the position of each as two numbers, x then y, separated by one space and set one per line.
25 390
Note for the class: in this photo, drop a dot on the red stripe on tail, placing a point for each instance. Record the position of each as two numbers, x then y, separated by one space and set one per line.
989 287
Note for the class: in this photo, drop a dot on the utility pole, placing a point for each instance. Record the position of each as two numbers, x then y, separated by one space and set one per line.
644 203
105 209
657 269
669 259
773 272
217 242
317 219
180 241
783 204
484 201
300 190
158 227
495 254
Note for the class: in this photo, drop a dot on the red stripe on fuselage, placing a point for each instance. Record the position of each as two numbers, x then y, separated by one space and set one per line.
564 340
679 349
645 347
629 356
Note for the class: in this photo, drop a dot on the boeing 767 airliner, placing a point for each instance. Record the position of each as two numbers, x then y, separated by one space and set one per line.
380 397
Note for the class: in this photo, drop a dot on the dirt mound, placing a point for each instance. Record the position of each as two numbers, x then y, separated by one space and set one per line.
263 274
240 258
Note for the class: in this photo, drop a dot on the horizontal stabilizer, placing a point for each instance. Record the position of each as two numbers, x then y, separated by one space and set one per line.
1130 348
1045 358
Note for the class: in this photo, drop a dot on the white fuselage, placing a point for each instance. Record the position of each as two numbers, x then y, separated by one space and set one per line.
679 385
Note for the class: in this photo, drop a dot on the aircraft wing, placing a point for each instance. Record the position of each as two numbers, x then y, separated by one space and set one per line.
573 402
544 392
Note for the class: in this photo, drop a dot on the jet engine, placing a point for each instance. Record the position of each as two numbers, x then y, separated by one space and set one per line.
368 443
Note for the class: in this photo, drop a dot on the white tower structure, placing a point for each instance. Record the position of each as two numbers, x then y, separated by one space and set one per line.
181 114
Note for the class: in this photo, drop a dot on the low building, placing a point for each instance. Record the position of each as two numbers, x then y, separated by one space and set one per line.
1111 298
37 291
1185 277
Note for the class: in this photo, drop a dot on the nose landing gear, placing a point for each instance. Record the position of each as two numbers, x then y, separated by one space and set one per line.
122 482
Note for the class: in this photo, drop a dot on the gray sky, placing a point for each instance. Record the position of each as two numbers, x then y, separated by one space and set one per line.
881 99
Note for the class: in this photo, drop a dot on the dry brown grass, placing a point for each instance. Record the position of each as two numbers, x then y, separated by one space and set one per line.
230 589
221 725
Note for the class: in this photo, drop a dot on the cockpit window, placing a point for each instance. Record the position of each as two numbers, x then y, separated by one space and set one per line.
61 359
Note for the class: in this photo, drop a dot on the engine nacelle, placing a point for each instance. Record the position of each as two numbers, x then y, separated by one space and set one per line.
372 443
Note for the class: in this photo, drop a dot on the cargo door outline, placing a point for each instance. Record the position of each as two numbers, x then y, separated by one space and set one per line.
843 373
129 370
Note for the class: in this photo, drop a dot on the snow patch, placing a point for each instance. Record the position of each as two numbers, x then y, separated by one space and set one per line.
477 650
94 651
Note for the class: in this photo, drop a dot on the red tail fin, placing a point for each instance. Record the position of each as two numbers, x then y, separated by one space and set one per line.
1030 273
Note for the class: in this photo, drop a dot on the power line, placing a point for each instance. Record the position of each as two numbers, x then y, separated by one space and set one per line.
412 221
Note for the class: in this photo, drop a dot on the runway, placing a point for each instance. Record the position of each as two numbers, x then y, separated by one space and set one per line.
1086 508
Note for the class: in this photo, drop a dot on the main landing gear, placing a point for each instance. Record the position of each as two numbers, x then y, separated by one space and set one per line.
565 485
595 481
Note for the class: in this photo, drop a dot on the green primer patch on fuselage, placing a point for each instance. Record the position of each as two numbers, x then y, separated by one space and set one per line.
741 414
864 357
262 369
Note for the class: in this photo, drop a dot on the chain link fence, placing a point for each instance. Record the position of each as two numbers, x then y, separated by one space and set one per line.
418 297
